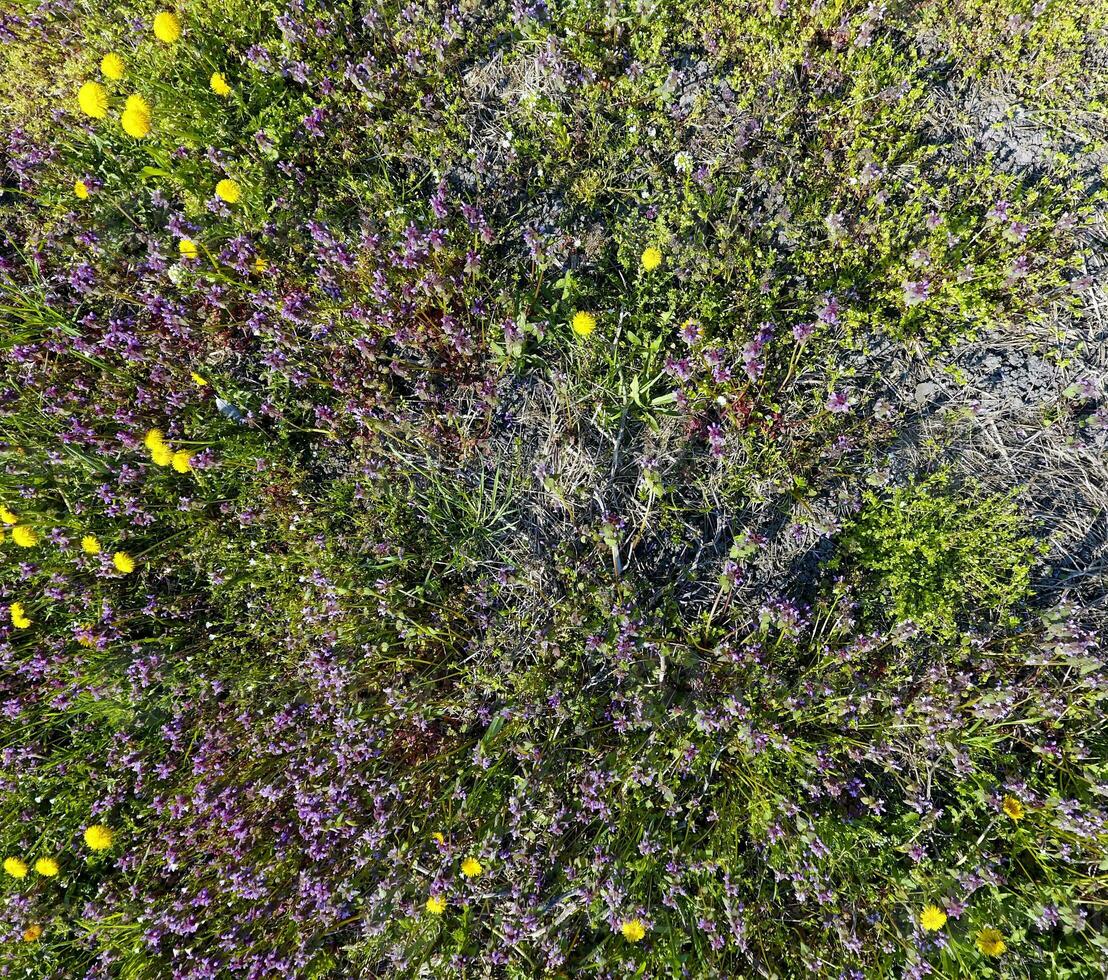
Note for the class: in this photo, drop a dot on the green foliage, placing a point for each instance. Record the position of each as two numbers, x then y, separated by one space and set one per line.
1046 51
936 554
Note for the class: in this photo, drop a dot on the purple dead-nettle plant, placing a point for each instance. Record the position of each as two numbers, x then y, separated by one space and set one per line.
827 311
680 368
716 439
802 331
691 332
714 359
998 212
916 291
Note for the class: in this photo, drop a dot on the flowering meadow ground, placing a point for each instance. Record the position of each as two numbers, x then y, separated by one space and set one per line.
553 488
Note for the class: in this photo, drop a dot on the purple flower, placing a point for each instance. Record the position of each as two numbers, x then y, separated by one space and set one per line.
802 331
828 311
690 332
998 212
716 439
916 292
678 368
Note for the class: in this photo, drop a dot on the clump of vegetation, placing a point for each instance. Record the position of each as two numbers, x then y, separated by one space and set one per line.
424 427
940 554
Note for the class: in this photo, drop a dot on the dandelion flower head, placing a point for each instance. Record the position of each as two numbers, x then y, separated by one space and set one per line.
633 930
111 66
98 837
167 27
20 619
92 97
136 119
583 323
991 942
651 258
932 918
16 867
228 190
25 537
47 867
471 867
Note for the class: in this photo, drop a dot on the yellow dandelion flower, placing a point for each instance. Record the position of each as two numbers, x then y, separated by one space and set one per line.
932 918
188 249
98 837
32 932
123 562
153 439
633 930
137 118
90 544
471 867
161 455
260 265
991 942
198 380
92 97
651 258
16 867
228 190
438 837
47 867
219 85
20 619
111 66
182 461
583 323
1012 808
135 124
167 27
25 537
7 516
436 905
80 190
